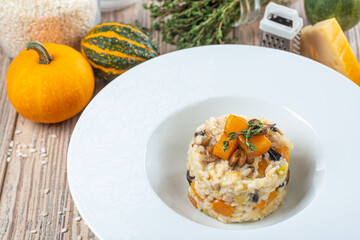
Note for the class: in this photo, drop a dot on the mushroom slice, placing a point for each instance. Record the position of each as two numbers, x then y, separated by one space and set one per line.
188 177
274 155
237 158
275 129
217 187
250 158
205 137
242 159
251 173
210 157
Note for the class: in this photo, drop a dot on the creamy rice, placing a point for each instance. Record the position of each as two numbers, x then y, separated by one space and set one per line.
243 189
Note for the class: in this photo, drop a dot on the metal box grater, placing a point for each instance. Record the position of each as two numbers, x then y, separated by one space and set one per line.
280 28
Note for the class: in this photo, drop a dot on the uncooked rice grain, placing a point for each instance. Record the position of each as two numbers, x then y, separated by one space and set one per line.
61 21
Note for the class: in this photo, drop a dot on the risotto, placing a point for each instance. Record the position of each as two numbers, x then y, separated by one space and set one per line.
238 168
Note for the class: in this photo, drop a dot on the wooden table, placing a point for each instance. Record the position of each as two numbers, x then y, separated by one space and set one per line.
35 202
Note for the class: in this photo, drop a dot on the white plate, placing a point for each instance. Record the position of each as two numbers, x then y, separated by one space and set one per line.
127 187
112 5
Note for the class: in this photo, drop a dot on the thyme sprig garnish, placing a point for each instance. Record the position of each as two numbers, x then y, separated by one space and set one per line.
255 127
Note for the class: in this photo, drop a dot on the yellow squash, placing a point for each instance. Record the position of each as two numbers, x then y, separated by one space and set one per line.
49 83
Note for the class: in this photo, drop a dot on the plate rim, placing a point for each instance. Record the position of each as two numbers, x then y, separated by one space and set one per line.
120 78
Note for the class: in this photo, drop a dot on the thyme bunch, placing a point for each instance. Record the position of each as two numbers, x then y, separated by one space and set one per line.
189 23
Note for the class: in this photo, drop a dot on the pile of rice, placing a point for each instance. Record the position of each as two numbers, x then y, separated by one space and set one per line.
242 188
61 21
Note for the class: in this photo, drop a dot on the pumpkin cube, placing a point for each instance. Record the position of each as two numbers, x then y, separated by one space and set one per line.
262 144
220 207
219 150
235 124
284 151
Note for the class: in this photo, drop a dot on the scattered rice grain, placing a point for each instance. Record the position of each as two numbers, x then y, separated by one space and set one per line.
33 231
8 159
11 144
67 210
43 155
77 218
17 132
64 230
60 212
53 136
44 214
79 237
43 150
32 150
47 190
44 162
48 223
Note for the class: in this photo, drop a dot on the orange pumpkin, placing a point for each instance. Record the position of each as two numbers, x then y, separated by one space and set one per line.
51 84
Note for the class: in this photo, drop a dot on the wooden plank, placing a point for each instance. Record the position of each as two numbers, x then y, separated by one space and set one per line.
353 36
8 117
23 201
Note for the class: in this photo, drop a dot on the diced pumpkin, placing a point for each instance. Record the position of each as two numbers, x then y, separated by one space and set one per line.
262 204
218 148
192 200
284 151
262 165
235 124
261 143
220 207
196 194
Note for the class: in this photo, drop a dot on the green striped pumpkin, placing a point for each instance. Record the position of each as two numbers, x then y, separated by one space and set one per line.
113 48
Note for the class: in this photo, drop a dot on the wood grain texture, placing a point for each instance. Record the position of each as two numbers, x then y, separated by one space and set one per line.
23 180
7 118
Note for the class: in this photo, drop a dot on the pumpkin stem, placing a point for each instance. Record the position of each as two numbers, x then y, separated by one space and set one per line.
44 55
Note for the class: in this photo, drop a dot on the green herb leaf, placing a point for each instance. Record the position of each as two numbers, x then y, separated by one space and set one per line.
233 136
250 145
256 131
251 124
225 145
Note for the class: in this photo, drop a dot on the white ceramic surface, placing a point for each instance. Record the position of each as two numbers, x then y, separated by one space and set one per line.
126 187
112 5
167 149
